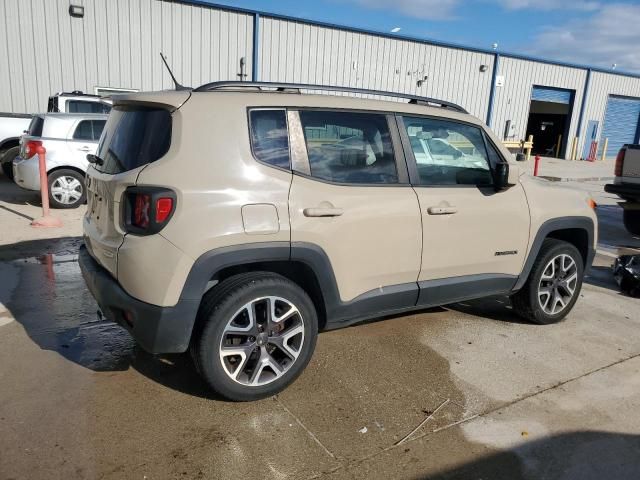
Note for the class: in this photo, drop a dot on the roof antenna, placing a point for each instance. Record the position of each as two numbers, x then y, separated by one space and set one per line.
177 86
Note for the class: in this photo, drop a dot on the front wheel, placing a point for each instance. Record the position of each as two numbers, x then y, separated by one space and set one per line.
632 221
66 189
554 284
257 332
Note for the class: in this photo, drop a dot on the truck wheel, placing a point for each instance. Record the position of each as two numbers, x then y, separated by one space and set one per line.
7 161
66 189
554 284
256 333
632 221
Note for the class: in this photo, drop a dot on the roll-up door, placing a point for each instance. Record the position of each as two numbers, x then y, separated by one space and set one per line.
547 94
620 123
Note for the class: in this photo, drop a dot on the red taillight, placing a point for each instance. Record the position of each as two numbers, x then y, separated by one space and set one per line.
148 209
141 210
31 147
619 163
164 206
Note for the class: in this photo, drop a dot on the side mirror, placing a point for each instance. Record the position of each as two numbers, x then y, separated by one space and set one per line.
501 176
505 176
521 157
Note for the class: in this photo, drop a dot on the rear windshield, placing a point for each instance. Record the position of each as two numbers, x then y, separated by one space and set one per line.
134 137
35 127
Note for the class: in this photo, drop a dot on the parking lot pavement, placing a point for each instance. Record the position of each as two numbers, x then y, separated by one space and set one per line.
79 400
19 207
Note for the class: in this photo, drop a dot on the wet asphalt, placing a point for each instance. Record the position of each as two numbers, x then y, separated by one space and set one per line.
78 398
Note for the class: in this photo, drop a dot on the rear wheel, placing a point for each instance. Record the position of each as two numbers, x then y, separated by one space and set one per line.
257 332
66 189
7 161
632 221
554 284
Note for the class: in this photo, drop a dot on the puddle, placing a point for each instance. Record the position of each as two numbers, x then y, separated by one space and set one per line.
47 296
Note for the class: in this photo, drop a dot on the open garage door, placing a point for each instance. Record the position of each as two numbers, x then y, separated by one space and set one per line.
620 123
549 118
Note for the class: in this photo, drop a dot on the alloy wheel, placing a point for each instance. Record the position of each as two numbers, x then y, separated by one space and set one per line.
262 341
557 284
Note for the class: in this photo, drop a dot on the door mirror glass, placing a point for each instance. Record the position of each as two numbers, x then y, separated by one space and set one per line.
520 157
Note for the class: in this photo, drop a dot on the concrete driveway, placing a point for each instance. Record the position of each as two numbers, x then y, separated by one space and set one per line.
493 397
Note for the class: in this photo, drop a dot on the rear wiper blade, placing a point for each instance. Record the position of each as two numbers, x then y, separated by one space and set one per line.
91 158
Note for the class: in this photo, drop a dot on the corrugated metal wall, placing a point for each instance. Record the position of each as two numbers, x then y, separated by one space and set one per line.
116 44
602 85
512 101
299 52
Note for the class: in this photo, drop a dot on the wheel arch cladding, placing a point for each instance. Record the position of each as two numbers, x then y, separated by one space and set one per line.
578 231
305 265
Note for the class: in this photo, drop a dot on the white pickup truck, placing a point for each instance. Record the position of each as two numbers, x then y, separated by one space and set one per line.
627 186
13 125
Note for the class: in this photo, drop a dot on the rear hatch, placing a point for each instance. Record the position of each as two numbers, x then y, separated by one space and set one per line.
138 132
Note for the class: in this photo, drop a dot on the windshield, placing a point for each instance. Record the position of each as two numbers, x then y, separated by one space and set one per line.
133 136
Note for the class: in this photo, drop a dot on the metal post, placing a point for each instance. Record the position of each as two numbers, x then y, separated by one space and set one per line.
492 92
536 165
558 143
46 220
529 147
256 47
583 104
604 150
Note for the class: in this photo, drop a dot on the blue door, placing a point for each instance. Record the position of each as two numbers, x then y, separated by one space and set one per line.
590 136
620 123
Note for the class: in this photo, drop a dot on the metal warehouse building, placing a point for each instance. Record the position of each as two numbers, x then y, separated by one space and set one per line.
101 46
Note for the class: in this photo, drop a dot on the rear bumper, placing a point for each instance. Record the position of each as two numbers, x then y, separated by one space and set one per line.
625 190
26 173
156 329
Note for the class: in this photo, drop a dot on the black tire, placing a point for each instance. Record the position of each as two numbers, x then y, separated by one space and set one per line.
7 161
59 176
218 309
526 302
632 221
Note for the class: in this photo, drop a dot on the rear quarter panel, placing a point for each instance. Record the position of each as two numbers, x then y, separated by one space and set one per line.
211 168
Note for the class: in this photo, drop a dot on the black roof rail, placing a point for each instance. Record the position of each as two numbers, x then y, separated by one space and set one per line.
297 87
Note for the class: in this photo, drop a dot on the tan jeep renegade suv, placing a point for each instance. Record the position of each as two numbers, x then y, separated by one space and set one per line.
238 220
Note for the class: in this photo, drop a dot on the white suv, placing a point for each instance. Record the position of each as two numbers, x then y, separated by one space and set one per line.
68 138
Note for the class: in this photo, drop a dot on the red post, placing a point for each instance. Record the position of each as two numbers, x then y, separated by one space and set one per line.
535 166
46 220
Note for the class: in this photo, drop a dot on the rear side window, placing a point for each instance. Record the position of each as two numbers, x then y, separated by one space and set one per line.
82 106
89 130
134 137
269 137
349 147
98 127
35 127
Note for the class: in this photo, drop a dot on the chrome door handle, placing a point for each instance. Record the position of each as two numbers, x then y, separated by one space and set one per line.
85 149
442 210
322 212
